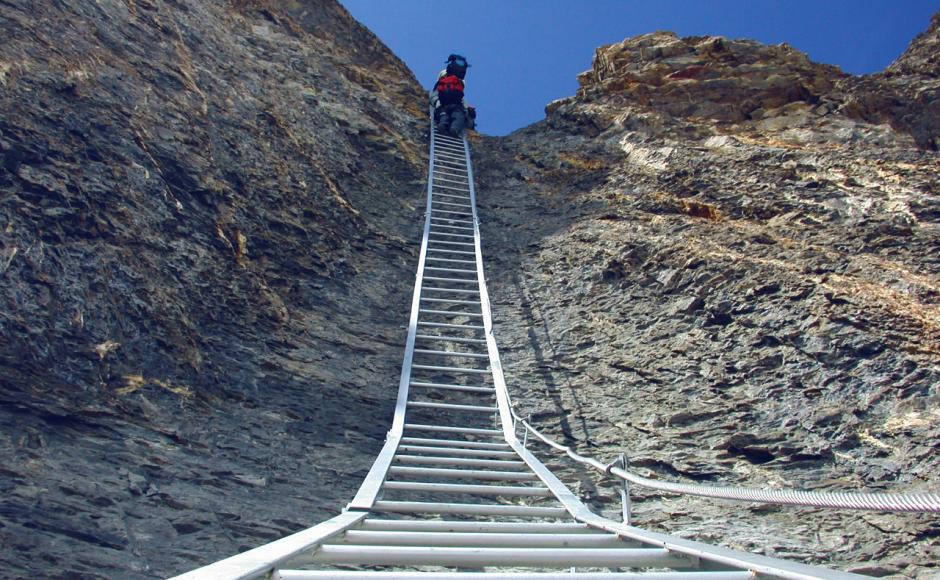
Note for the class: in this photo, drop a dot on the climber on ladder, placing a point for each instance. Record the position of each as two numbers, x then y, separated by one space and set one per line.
451 114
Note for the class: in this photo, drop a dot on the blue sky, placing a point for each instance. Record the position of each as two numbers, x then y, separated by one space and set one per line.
526 53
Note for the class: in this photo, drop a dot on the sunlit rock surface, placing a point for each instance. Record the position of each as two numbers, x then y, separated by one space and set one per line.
714 260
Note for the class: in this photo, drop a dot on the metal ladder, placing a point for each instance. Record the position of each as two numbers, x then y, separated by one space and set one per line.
453 491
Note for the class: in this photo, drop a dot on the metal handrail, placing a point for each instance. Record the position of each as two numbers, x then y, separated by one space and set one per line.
914 502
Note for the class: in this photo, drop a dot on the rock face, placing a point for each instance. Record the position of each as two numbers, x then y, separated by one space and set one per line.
708 77
715 260
907 94
719 257
208 209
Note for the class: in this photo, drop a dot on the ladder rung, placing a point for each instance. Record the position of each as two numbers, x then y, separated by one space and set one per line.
506 540
451 407
452 220
456 146
362 575
460 175
450 280
457 451
541 557
420 507
453 235
448 187
445 141
438 194
450 149
447 219
450 163
454 290
446 325
454 443
452 243
444 226
451 260
450 370
443 167
451 339
445 162
466 229
451 212
455 270
448 301
479 527
468 236
452 204
438 136
459 462
442 251
434 225
471 489
452 353
451 429
436 231
438 169
446 387
452 181
463 473
448 313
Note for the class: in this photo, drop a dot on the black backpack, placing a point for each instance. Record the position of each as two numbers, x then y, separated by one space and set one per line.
457 65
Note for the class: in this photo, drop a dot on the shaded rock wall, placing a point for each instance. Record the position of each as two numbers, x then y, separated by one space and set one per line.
907 93
207 210
708 261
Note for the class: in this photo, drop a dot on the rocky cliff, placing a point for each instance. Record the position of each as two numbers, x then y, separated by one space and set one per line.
719 257
208 210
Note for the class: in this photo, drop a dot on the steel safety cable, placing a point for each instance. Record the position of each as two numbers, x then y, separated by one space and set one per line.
912 502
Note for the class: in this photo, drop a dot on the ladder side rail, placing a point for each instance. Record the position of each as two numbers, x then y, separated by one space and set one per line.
496 367
263 560
371 486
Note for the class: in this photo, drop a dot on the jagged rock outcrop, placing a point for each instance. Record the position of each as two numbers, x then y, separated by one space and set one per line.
207 210
709 259
707 77
907 94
